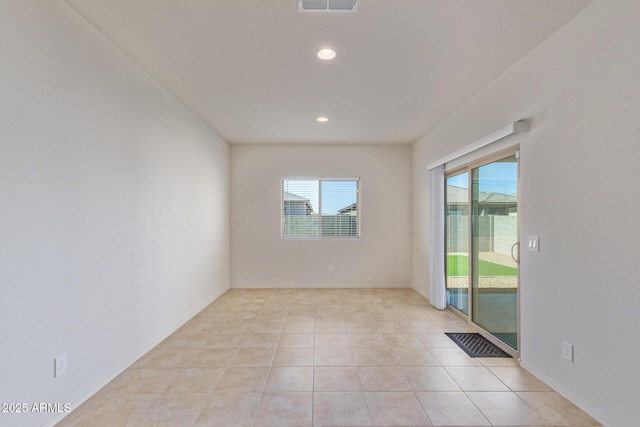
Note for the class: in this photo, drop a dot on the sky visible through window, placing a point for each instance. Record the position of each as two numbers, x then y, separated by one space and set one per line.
498 177
336 194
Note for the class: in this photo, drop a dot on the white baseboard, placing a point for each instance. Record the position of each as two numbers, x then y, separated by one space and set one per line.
561 391
328 286
421 292
113 374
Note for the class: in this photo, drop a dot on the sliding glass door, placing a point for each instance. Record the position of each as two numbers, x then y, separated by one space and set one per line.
495 236
482 272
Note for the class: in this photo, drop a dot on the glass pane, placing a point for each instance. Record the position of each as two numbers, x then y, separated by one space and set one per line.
339 201
300 206
457 241
495 231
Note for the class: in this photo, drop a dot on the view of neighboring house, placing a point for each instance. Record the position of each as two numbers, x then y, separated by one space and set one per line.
296 205
351 210
489 203
300 220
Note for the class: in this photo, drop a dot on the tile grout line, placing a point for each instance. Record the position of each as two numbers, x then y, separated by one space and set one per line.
476 406
255 415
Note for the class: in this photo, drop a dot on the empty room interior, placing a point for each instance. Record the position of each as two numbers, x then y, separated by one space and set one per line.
269 213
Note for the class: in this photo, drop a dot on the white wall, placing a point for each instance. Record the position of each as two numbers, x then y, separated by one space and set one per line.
261 258
580 194
113 216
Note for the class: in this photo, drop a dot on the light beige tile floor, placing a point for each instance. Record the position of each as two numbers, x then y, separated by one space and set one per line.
322 357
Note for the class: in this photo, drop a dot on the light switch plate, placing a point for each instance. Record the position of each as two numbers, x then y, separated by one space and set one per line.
533 243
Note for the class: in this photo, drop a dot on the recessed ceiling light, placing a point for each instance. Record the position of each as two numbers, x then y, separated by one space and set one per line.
322 119
326 54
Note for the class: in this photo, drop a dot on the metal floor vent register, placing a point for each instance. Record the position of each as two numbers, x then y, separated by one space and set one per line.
475 345
327 5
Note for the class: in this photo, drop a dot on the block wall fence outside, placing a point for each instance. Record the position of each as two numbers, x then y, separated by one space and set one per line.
497 233
314 226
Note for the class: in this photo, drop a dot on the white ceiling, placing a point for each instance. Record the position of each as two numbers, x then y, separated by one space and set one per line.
248 67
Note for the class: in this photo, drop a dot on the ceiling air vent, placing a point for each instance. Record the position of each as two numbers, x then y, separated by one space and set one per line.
327 5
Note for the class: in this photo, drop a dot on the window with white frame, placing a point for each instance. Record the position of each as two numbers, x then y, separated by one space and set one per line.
320 208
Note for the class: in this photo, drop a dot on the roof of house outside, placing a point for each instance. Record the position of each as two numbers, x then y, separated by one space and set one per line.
293 197
352 207
457 194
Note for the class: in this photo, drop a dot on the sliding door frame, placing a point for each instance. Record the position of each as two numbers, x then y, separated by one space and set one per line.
469 167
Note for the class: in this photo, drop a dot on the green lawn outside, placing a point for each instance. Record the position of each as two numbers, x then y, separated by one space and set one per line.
458 265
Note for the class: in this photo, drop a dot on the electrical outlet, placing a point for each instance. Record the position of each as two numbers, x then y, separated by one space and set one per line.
567 351
60 365
331 268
